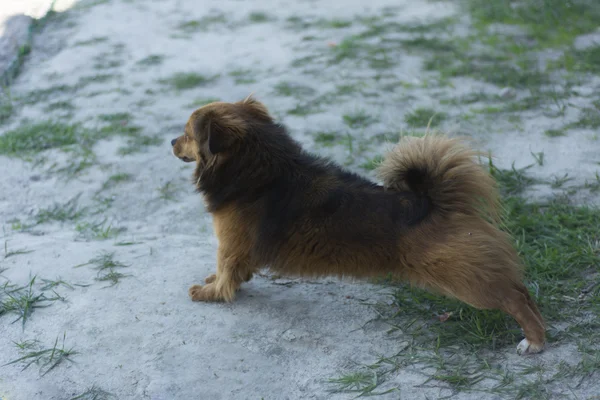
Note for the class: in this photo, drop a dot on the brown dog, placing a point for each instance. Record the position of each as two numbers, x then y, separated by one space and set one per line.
274 205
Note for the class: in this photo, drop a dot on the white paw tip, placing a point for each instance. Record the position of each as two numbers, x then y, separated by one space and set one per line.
526 347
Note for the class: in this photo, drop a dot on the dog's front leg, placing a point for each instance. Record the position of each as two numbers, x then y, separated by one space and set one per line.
232 270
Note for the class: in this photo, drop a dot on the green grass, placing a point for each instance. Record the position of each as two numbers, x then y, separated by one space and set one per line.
203 24
589 117
167 191
259 17
554 132
106 267
549 23
462 348
47 358
151 60
586 60
94 393
92 41
289 89
372 163
6 109
23 301
326 138
115 180
202 101
11 253
61 212
422 117
60 105
304 109
97 230
188 80
138 143
358 119
243 76
36 137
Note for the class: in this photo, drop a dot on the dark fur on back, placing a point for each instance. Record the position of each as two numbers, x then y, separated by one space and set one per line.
291 192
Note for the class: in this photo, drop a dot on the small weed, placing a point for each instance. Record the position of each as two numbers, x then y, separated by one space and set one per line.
97 231
23 302
513 181
373 163
94 393
203 24
243 76
538 157
586 60
558 182
305 109
98 78
6 110
589 117
41 95
52 284
69 211
34 138
364 383
105 264
291 89
554 132
92 41
111 276
188 80
359 119
334 23
11 253
351 48
199 102
116 179
137 143
259 17
48 359
166 191
127 243
326 138
422 117
151 60
60 105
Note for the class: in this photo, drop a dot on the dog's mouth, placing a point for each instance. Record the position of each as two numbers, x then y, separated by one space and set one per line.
186 159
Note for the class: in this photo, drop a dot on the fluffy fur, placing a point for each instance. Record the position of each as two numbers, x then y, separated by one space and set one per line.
432 222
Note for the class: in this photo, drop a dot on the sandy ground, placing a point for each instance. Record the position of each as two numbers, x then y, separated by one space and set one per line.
143 338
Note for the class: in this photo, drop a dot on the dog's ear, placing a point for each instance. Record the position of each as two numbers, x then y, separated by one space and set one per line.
256 109
222 130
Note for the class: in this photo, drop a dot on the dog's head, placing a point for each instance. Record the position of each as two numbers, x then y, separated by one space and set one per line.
215 131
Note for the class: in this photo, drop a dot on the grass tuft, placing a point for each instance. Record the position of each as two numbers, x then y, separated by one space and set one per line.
94 393
105 264
37 137
48 359
422 117
358 119
188 80
69 211
23 301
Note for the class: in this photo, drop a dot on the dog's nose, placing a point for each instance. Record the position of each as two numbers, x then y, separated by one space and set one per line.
173 142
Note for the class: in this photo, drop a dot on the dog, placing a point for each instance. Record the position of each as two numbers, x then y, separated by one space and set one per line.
433 221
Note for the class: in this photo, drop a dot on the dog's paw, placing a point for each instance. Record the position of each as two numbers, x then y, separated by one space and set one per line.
210 278
200 293
526 347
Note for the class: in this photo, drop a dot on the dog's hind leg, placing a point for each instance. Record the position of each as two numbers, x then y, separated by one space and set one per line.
513 299
522 308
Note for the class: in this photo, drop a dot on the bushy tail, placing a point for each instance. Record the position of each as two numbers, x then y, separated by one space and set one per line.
446 171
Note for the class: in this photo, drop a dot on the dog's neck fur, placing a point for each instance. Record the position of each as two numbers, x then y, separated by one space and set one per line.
266 156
